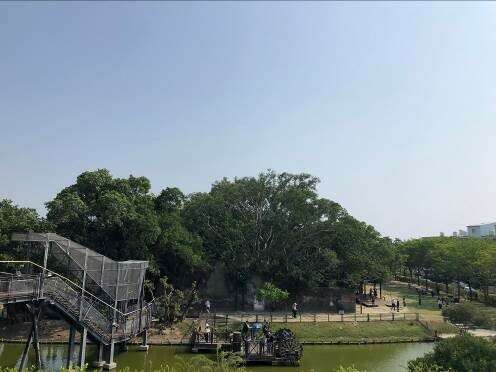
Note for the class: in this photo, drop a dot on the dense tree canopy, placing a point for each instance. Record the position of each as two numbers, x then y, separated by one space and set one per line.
14 218
122 219
452 259
461 354
274 226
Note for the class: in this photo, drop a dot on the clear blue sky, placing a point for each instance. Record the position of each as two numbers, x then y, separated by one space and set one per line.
392 105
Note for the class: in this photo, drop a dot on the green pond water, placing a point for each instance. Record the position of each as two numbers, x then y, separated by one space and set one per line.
373 358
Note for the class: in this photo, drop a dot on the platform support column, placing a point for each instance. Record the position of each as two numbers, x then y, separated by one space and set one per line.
36 340
82 347
109 357
99 363
70 351
144 341
34 312
26 350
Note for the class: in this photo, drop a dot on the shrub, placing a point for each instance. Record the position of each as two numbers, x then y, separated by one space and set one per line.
272 294
467 312
461 354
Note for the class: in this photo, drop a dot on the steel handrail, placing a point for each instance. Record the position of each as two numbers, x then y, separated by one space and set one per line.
70 281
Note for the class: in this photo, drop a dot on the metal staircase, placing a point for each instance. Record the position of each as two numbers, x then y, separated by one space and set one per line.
101 297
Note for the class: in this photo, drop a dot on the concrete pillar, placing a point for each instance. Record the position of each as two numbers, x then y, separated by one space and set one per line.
144 342
70 351
109 357
82 347
99 363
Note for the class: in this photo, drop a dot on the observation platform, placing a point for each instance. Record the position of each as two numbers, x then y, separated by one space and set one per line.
101 298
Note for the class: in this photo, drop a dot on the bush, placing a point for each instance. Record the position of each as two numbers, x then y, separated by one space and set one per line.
467 312
271 294
461 354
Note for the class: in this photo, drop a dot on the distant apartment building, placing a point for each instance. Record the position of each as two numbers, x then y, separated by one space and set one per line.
482 230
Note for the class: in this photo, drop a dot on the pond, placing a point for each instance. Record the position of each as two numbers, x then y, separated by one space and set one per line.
373 358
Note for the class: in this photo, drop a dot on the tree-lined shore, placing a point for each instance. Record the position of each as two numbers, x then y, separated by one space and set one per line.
275 226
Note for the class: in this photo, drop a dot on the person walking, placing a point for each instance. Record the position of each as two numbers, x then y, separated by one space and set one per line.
207 306
398 306
294 309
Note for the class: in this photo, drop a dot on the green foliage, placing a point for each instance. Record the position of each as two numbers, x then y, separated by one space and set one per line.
445 260
277 227
274 226
173 304
271 294
13 219
123 220
225 362
348 369
467 312
461 354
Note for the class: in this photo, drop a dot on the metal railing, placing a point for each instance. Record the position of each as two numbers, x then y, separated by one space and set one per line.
14 287
310 317
103 319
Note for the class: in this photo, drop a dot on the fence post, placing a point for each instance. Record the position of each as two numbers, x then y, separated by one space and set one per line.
271 316
227 321
355 316
393 316
342 318
328 316
380 316
256 318
368 317
300 317
285 318
417 316
315 317
241 318
404 316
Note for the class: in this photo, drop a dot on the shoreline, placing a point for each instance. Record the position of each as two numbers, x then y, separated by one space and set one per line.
185 344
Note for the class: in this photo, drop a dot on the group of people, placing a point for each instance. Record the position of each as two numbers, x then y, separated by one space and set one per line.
266 341
373 295
395 304
206 333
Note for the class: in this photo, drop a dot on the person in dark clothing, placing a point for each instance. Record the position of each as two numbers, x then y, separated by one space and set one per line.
265 328
245 329
397 305
294 309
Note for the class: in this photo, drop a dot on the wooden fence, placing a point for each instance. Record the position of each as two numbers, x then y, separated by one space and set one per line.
226 318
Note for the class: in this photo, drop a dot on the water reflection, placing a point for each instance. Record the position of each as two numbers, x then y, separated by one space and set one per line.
373 358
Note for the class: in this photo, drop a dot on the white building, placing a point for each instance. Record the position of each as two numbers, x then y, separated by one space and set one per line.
482 230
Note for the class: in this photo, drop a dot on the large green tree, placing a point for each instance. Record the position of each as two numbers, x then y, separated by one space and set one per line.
16 219
121 218
276 226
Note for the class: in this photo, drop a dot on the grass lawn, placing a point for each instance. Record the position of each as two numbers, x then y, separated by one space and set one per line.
427 307
490 311
350 331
